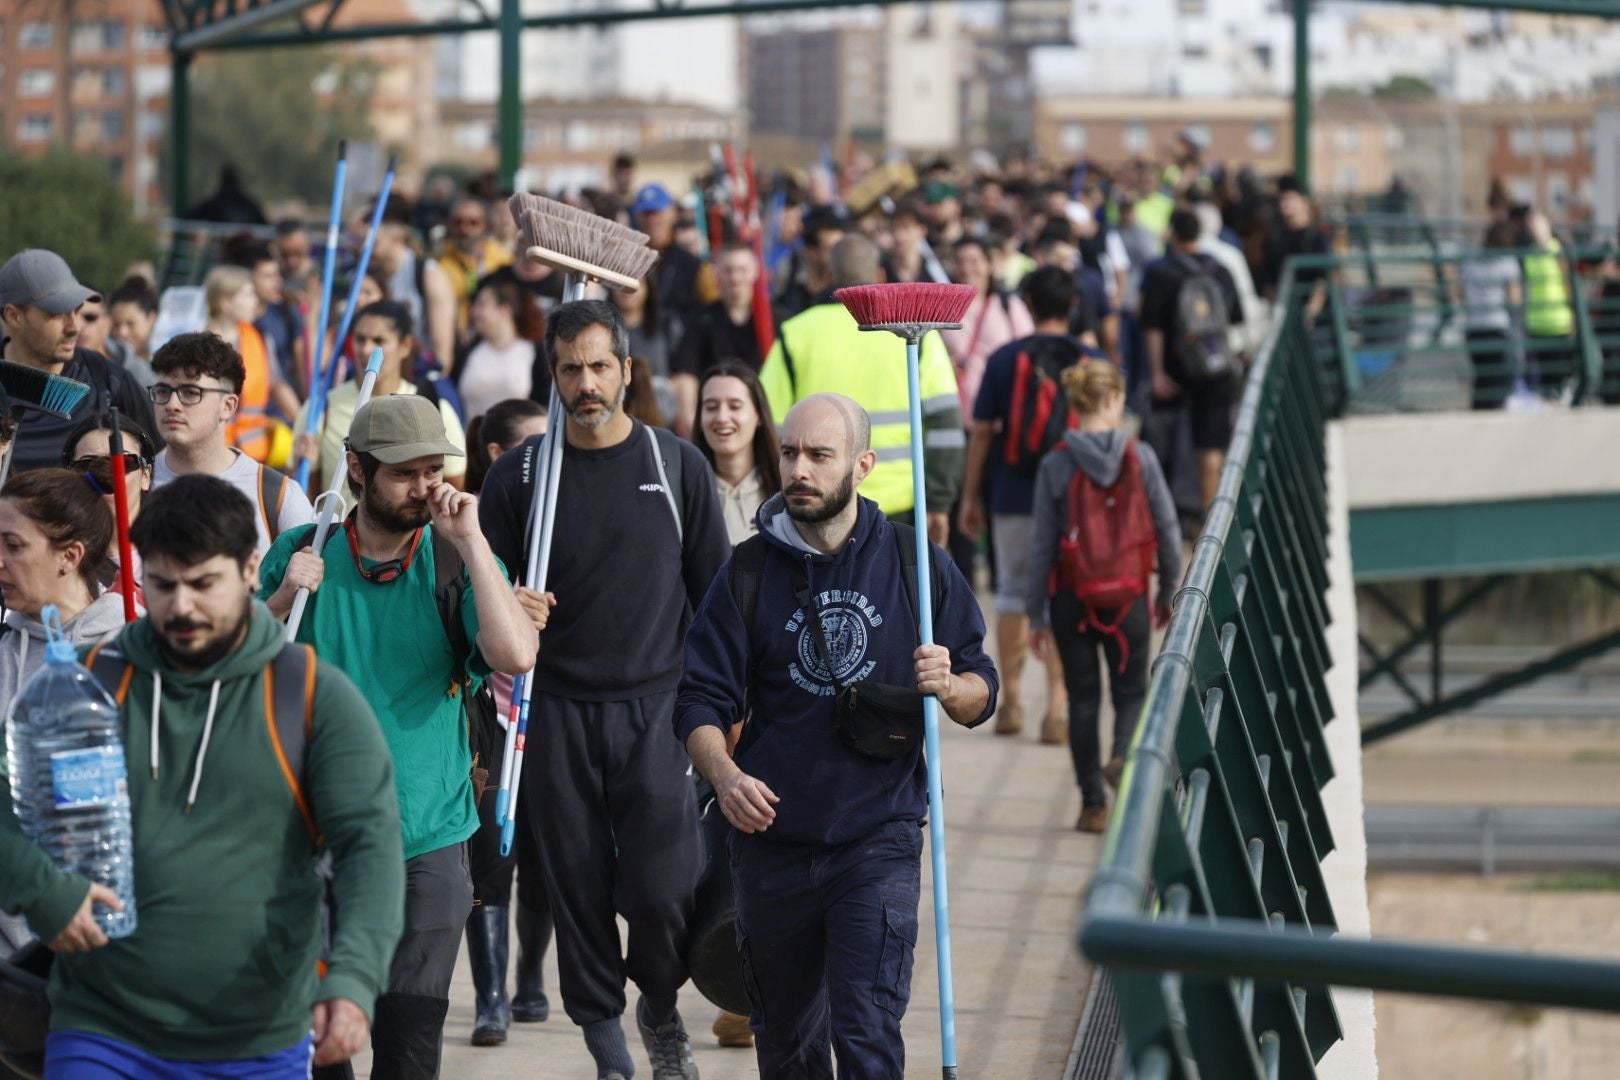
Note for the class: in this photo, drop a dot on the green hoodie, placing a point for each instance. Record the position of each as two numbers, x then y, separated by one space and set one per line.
222 964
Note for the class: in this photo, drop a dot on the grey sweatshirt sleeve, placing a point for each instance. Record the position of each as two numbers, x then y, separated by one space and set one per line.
1165 522
1051 490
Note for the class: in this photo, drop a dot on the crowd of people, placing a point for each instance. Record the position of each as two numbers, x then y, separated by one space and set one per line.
751 485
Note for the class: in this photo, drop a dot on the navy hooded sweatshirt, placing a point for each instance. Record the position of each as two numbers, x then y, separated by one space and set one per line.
829 794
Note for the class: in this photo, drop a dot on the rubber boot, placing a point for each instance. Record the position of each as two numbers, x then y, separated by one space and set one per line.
486 953
407 1038
530 1004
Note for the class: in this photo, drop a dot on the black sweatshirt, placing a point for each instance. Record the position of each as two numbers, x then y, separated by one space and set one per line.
40 438
626 587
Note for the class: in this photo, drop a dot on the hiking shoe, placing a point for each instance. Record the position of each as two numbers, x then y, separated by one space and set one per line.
668 1047
1010 719
1113 771
1093 819
733 1031
1055 729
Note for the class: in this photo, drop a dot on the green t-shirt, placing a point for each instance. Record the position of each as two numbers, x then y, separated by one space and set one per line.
388 638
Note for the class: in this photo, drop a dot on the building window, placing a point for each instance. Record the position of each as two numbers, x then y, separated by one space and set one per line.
1394 139
1135 138
113 82
1557 192
154 38
1558 142
1523 189
34 129
1349 178
112 124
1200 134
1195 51
35 82
95 37
1522 141
115 168
1263 137
36 35
1347 138
1072 138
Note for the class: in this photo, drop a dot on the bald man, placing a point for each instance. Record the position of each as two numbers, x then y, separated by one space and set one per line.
827 798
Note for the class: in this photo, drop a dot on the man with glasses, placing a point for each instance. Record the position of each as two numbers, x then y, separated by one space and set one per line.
197 393
388 607
40 302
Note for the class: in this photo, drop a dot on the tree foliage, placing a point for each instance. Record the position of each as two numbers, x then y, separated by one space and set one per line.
1407 88
277 115
70 205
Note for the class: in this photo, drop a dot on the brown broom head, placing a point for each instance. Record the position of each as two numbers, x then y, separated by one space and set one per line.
578 242
920 306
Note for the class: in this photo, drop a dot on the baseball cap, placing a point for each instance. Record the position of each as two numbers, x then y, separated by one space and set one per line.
399 428
42 278
651 199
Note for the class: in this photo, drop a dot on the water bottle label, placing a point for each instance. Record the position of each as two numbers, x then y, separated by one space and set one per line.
84 778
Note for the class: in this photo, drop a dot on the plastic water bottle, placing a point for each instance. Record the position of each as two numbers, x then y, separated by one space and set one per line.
65 749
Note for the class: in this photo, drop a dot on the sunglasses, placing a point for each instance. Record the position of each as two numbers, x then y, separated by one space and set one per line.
189 393
133 463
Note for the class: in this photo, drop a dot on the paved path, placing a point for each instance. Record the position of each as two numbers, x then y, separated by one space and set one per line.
1018 874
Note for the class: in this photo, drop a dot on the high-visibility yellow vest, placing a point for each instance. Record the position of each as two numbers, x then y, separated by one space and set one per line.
831 354
1546 295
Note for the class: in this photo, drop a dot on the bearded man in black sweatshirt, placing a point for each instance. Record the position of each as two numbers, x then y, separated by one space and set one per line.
639 535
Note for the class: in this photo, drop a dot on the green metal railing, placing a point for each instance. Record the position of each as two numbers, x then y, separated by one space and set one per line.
1209 907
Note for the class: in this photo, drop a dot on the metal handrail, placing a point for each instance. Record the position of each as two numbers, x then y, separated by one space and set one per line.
1210 982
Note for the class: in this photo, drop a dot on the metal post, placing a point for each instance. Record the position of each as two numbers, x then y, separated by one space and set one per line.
1433 624
1302 94
179 133
511 109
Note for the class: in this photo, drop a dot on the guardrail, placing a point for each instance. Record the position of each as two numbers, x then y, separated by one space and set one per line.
1208 906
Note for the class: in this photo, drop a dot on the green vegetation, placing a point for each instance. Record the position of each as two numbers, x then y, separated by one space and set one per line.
71 205
1576 881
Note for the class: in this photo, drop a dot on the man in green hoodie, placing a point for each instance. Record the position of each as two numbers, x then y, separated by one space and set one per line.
220 977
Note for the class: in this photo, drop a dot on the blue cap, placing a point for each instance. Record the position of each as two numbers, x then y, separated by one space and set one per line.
651 199
58 649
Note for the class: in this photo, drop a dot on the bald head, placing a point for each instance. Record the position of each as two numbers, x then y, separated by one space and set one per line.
820 410
855 260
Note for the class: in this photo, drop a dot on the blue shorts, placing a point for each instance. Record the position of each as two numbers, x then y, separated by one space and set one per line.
78 1055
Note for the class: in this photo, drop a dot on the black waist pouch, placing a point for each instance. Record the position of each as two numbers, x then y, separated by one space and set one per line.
879 720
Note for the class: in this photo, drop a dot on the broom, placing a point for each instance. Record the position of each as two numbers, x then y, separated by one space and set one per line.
912 311
23 388
332 498
328 269
321 382
585 247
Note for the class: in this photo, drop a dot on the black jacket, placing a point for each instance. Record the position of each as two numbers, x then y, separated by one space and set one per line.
40 438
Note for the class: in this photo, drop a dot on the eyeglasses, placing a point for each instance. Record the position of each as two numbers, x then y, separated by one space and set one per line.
189 393
383 572
133 463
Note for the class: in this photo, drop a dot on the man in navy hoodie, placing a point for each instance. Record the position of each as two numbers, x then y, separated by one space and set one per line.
826 855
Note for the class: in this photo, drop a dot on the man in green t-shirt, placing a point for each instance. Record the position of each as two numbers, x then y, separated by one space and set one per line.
373 613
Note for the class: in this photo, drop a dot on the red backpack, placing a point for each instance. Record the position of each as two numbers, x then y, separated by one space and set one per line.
1105 556
1040 413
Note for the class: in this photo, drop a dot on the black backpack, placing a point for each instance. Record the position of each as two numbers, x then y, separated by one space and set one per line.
1039 413
1199 326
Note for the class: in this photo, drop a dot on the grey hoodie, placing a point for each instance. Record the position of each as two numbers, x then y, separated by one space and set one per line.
1100 453
22 640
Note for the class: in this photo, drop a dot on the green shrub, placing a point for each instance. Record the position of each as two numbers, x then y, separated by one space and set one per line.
70 205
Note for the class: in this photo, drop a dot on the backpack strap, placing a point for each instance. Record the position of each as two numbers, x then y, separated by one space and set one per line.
448 588
666 447
289 718
906 541
272 494
111 670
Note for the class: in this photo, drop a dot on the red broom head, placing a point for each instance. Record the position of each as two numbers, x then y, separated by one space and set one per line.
920 304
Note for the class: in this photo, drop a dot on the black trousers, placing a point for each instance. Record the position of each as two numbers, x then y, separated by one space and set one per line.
1082 675
1492 363
607 793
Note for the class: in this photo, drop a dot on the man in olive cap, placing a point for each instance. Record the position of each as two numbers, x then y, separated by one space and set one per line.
417 651
39 328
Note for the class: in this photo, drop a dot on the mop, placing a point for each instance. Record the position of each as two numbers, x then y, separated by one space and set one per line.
328 502
587 248
912 311
328 269
321 382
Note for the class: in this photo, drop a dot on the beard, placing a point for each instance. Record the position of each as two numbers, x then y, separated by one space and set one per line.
590 397
204 652
828 508
394 517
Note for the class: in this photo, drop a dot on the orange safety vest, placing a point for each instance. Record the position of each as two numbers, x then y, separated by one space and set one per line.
250 431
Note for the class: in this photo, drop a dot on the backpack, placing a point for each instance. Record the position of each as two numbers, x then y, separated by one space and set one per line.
1199 324
436 386
1106 553
742 580
1040 411
289 710
272 493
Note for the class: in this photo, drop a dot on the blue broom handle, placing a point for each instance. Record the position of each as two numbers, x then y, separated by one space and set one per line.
328 269
936 790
